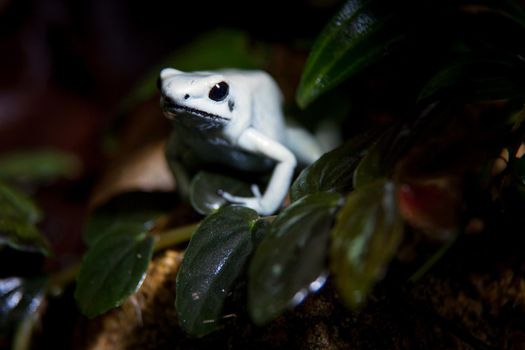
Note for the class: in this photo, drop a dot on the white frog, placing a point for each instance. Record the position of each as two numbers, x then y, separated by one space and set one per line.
234 118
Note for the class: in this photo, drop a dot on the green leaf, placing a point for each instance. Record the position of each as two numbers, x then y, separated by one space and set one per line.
364 240
381 157
112 270
476 79
215 258
19 298
130 213
36 167
119 250
360 34
220 48
334 171
204 186
290 262
18 218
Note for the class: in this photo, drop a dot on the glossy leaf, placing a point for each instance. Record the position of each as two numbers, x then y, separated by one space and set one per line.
130 213
220 48
334 171
290 261
19 298
35 167
360 34
204 195
380 157
119 250
364 240
215 258
18 218
112 270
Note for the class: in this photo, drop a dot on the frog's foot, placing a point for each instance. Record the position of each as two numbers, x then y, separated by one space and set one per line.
255 202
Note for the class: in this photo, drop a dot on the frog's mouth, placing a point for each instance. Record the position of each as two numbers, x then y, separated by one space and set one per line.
171 109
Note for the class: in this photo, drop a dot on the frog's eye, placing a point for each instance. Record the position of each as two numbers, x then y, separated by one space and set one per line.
219 91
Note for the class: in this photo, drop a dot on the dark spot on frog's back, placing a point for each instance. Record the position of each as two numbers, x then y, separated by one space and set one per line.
231 104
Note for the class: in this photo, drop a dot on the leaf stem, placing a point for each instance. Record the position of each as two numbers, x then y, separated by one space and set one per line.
165 239
174 236
431 262
23 334
60 280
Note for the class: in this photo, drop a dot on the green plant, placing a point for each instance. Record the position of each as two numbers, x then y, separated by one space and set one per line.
431 107
21 296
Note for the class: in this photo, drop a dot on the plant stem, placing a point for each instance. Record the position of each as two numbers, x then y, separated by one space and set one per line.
23 334
165 239
431 262
59 280
174 236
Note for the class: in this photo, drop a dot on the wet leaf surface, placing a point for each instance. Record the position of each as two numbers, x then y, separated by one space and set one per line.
364 240
290 261
334 171
215 258
360 34
112 270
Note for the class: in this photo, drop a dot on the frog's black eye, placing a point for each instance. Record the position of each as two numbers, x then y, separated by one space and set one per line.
219 91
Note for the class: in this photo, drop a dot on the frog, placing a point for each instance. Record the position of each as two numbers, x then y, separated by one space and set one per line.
234 118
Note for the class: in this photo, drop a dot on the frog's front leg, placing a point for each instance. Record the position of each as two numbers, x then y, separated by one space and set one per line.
253 141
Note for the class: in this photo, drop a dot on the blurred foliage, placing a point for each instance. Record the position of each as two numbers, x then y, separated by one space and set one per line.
21 172
19 298
18 219
364 240
37 167
19 215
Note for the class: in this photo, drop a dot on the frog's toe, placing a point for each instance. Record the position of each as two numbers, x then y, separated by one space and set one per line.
256 191
228 196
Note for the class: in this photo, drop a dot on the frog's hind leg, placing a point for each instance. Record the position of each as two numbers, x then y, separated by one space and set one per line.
302 144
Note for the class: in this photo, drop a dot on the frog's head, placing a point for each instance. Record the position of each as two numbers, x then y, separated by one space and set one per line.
201 94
